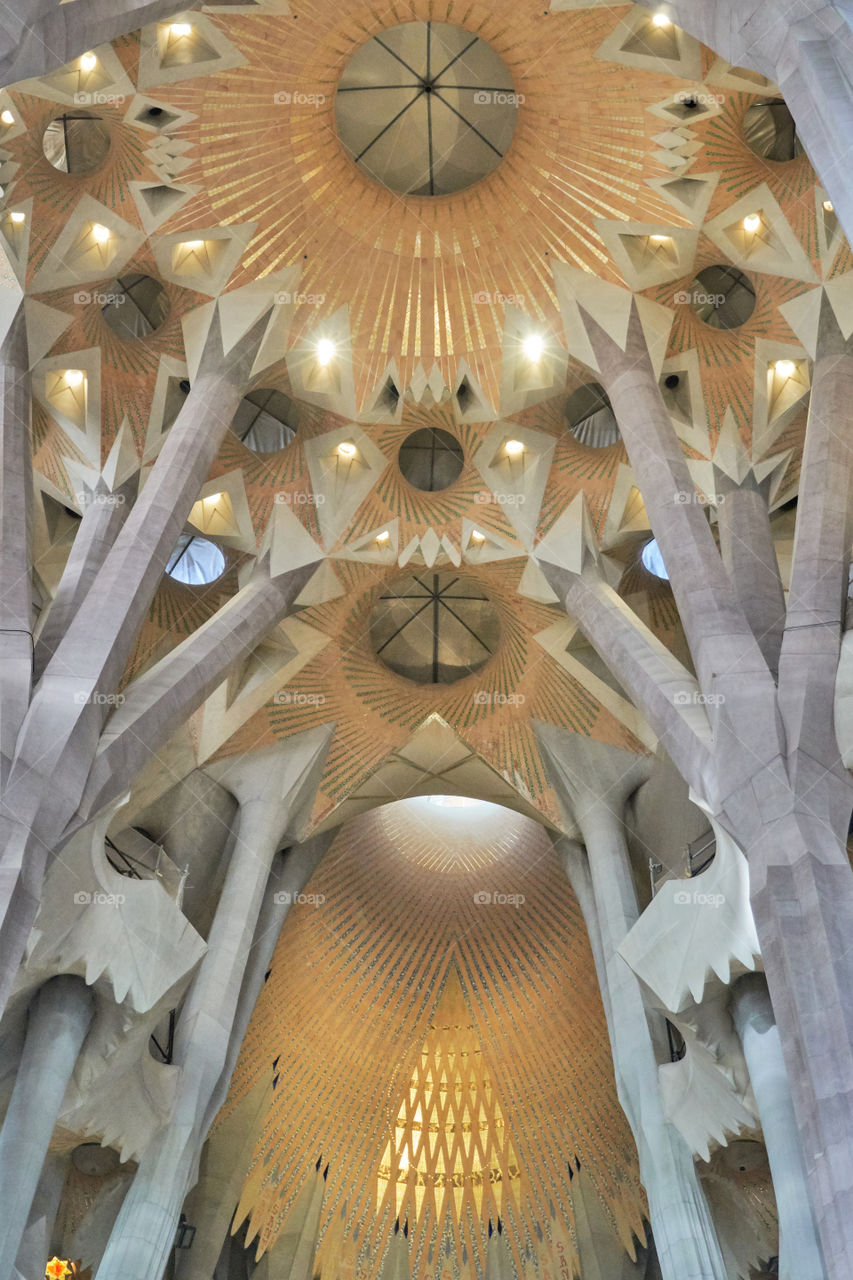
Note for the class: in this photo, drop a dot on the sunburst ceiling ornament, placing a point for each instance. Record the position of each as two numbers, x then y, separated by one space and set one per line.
426 108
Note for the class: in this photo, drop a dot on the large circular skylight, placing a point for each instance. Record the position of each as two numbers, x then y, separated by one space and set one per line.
426 108
434 627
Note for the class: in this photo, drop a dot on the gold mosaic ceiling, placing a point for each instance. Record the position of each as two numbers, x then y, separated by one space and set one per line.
244 153
434 1031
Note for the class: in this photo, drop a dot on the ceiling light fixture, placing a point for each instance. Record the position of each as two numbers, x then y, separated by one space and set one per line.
18 216
88 62
752 222
476 536
660 239
828 206
347 449
383 536
7 117
101 233
662 19
74 377
181 29
325 351
785 368
514 448
533 347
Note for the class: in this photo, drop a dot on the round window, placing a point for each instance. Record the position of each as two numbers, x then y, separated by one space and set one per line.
265 421
770 132
590 417
431 459
76 142
426 108
135 305
434 627
196 561
723 297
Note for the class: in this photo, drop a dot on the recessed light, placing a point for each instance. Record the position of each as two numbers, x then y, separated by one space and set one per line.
74 377
101 233
88 62
662 19
193 245
514 448
828 206
476 536
325 351
383 536
7 117
347 449
18 215
181 29
660 239
752 222
533 347
785 368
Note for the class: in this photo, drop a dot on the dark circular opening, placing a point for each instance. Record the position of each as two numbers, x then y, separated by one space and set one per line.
265 420
196 561
591 419
671 381
434 627
154 113
76 142
431 459
135 305
184 384
770 132
722 297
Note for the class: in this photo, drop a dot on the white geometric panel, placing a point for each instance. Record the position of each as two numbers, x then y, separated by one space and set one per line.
647 254
380 546
159 201
186 46
782 383
168 118
385 402
515 461
483 546
638 42
700 1099
15 239
321 368
45 326
222 512
610 307
202 259
344 466
769 245
69 387
81 85
690 194
95 244
528 378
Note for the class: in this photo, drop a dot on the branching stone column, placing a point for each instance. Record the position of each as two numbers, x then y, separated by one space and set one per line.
594 783
271 787
210 1205
800 1256
58 1020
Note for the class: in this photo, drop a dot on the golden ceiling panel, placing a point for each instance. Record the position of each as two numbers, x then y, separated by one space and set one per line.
438 1038
426 280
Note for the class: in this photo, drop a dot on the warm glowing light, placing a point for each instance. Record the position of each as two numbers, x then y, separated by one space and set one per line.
476 536
660 239
88 62
383 536
7 117
533 347
828 206
325 351
752 222
17 215
661 19
785 368
514 448
181 29
74 377
101 233
347 449
193 245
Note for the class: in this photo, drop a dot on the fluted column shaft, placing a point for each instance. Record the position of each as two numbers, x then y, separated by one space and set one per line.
59 1018
800 1256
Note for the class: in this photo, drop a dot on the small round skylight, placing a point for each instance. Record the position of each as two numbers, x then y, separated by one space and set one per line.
770 131
590 417
134 305
265 420
723 296
653 560
76 142
196 561
431 459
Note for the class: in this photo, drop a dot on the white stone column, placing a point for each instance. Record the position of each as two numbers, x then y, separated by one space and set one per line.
800 1256
58 1020
271 787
